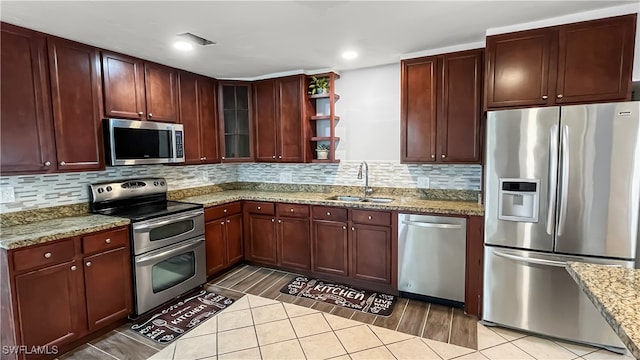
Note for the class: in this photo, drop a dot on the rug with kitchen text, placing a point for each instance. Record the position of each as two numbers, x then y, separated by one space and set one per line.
341 295
176 319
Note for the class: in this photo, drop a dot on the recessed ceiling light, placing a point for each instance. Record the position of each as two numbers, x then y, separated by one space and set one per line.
183 45
349 55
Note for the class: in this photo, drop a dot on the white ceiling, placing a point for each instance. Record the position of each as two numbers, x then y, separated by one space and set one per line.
256 38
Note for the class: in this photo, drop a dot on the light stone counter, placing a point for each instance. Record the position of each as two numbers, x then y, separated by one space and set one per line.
616 293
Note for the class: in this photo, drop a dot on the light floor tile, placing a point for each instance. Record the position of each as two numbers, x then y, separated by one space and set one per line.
358 338
209 326
297 310
577 349
412 349
234 320
257 301
194 348
505 351
268 313
341 357
282 351
543 349
235 340
508 334
310 325
389 336
606 355
377 353
338 322
322 346
248 354
487 338
274 331
473 356
240 304
165 354
447 351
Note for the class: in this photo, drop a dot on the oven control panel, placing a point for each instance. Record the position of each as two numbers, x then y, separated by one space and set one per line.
125 189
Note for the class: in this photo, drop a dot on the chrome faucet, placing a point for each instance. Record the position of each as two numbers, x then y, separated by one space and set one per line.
367 190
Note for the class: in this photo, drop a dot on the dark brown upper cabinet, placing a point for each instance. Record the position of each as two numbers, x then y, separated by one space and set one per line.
589 61
441 100
278 114
198 114
26 141
235 121
76 94
135 89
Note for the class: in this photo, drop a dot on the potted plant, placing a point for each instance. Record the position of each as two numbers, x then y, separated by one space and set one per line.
318 85
322 150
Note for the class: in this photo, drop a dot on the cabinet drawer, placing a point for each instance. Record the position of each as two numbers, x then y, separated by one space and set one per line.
105 241
220 211
329 213
258 207
371 217
293 210
43 255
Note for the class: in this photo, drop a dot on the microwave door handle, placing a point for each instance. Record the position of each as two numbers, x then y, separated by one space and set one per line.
553 178
182 248
137 227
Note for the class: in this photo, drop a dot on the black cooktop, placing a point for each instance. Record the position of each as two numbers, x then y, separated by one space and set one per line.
146 211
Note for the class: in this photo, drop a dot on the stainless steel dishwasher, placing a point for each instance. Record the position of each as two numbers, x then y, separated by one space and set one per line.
431 257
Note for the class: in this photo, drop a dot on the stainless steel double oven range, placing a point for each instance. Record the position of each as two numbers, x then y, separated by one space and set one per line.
167 238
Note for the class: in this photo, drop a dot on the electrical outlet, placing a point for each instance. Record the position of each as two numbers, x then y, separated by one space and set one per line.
423 182
7 195
286 177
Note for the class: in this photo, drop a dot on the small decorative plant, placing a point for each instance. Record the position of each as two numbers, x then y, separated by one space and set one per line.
318 85
322 150
322 147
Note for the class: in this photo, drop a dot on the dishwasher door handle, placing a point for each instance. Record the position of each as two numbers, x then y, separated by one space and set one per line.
431 225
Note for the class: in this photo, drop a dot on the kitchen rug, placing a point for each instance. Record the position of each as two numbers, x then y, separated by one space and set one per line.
175 320
341 295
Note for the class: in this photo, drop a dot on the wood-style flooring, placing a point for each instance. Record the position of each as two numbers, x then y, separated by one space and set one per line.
413 317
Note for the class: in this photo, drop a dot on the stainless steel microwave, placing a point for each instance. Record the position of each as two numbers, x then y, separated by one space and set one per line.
131 142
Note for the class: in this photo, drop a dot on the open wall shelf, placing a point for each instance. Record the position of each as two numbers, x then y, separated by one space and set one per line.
322 120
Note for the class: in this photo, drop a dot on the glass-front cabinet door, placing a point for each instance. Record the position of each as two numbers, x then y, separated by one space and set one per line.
236 121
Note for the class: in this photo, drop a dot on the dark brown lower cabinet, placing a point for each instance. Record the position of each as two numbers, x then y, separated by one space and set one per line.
223 236
371 253
474 266
64 290
330 247
294 243
261 239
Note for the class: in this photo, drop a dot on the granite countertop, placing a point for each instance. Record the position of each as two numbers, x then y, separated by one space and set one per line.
12 237
616 293
402 203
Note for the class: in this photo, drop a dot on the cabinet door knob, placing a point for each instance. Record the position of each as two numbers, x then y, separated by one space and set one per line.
353 229
140 113
544 97
62 163
150 115
47 163
279 156
88 263
225 210
559 96
108 240
444 156
47 255
344 228
279 221
273 220
228 220
328 213
370 217
433 156
221 222
291 210
204 158
273 157
259 208
74 268
223 158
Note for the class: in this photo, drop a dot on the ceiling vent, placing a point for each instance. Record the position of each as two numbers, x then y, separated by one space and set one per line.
196 39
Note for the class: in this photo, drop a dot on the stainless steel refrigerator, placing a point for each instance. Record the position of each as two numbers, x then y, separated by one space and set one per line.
562 184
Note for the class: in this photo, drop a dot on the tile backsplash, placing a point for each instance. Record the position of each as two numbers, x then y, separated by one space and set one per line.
40 191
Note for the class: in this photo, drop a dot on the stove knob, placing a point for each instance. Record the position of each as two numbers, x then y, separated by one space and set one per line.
161 183
100 190
109 188
155 183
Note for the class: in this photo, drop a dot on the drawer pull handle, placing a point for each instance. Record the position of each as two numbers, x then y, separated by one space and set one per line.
225 210
291 210
107 240
228 220
47 255
259 208
88 263
370 217
328 213
74 268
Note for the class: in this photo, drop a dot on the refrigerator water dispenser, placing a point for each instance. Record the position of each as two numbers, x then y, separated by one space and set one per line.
519 200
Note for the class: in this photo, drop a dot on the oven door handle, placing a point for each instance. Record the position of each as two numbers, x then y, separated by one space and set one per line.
137 227
183 246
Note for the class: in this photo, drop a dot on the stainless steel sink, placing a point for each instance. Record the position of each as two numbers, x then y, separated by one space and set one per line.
360 199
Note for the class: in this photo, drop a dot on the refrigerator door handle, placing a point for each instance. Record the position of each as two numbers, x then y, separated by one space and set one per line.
564 185
553 178
531 260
